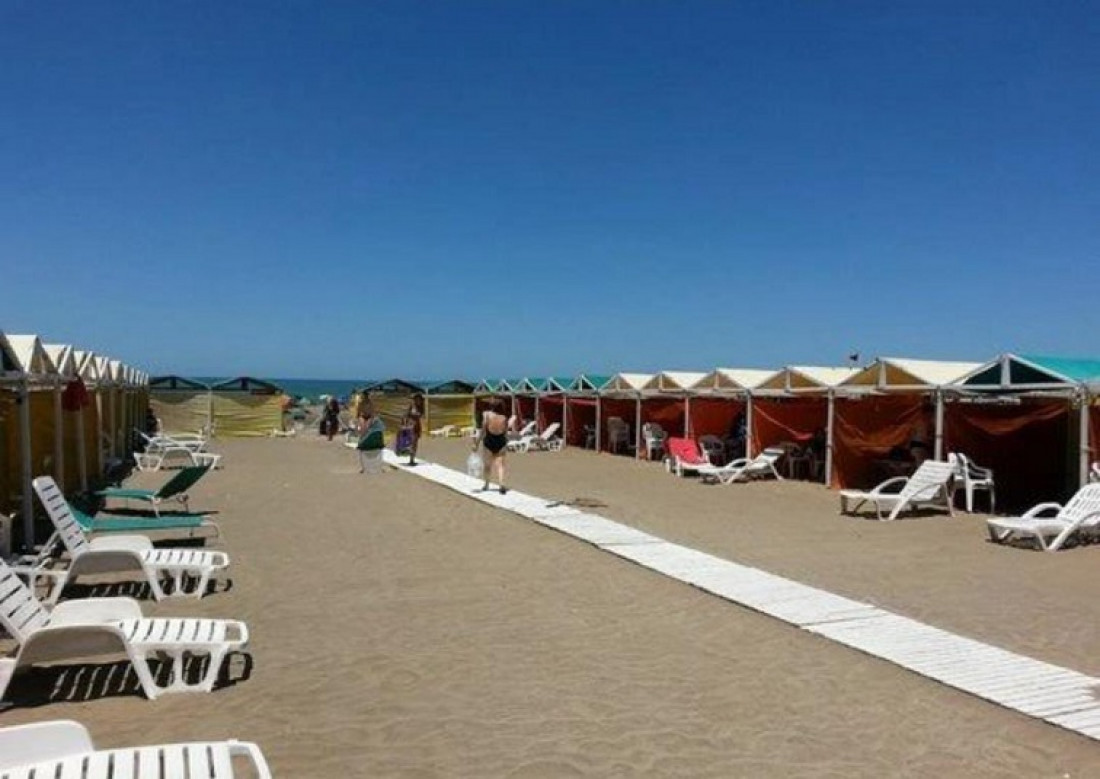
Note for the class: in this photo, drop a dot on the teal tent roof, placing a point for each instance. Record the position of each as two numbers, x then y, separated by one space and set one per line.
589 381
175 382
1021 371
537 384
561 383
451 387
394 386
247 384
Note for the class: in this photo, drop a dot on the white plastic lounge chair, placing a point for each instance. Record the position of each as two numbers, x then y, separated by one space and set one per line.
444 432
970 478
1081 513
194 442
173 489
64 748
744 468
684 456
110 626
1094 472
125 553
548 440
523 432
928 487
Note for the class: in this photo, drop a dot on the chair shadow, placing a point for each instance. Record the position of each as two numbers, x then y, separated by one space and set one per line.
81 682
138 590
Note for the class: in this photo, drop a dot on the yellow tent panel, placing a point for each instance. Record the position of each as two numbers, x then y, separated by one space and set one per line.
182 410
10 466
42 434
448 410
243 414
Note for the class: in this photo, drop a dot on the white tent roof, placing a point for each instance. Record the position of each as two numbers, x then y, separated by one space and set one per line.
887 372
9 363
627 382
674 381
87 365
807 377
733 379
31 355
62 357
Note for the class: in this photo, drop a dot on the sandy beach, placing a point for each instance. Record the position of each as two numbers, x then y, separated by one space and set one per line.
400 629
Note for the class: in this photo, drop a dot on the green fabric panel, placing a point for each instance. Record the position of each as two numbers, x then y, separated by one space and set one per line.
135 494
181 411
111 524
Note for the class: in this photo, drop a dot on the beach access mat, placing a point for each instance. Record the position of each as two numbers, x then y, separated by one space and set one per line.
1048 692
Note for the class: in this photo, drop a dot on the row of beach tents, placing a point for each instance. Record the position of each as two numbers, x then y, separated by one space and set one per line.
1035 420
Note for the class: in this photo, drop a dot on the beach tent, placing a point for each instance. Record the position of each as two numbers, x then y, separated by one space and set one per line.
37 423
721 397
448 403
70 398
885 407
390 399
667 402
181 405
621 397
87 369
1028 417
792 405
246 407
13 427
582 407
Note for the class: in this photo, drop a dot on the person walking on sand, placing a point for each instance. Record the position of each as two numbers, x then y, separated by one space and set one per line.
410 426
330 418
493 435
371 430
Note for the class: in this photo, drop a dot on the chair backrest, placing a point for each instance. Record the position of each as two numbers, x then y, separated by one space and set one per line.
1094 472
930 476
528 429
20 612
1084 505
68 529
182 481
550 431
686 450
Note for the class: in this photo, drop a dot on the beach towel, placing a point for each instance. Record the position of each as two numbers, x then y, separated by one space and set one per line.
403 444
372 438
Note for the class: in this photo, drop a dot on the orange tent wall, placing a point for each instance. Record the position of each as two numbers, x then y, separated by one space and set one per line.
790 419
551 410
714 416
615 407
1027 446
525 410
666 412
582 411
866 429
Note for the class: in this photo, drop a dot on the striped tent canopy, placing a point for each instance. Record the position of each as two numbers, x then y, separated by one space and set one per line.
87 366
532 384
9 362
560 383
488 387
1024 372
896 373
31 358
732 380
807 378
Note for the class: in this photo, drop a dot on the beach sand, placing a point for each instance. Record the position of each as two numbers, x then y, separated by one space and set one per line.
401 629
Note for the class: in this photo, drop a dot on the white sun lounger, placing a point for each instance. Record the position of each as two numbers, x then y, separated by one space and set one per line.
744 468
64 748
123 553
110 626
927 487
548 440
1081 513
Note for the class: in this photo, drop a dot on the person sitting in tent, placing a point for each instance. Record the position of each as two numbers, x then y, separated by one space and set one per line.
330 418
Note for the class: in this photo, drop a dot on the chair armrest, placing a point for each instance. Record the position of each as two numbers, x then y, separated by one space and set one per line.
36 743
1035 511
880 489
94 611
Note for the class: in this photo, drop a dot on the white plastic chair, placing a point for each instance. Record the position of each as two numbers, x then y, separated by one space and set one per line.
93 627
125 553
654 436
65 748
1094 472
548 440
927 487
970 478
1081 513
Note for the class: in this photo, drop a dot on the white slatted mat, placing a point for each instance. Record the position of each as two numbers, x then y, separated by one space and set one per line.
1057 695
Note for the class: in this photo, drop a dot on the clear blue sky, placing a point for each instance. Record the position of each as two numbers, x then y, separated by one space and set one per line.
479 188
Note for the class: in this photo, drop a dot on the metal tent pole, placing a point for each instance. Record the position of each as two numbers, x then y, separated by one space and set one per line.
829 440
599 425
58 434
938 449
748 425
25 456
1083 458
637 426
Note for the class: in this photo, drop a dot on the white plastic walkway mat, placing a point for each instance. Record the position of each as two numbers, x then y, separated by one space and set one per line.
1057 695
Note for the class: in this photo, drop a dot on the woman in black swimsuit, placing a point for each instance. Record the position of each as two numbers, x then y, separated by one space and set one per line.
494 437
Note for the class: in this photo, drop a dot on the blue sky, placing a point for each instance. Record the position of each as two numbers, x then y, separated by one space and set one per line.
502 188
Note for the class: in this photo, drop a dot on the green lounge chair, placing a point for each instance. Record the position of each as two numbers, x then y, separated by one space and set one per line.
175 488
113 523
